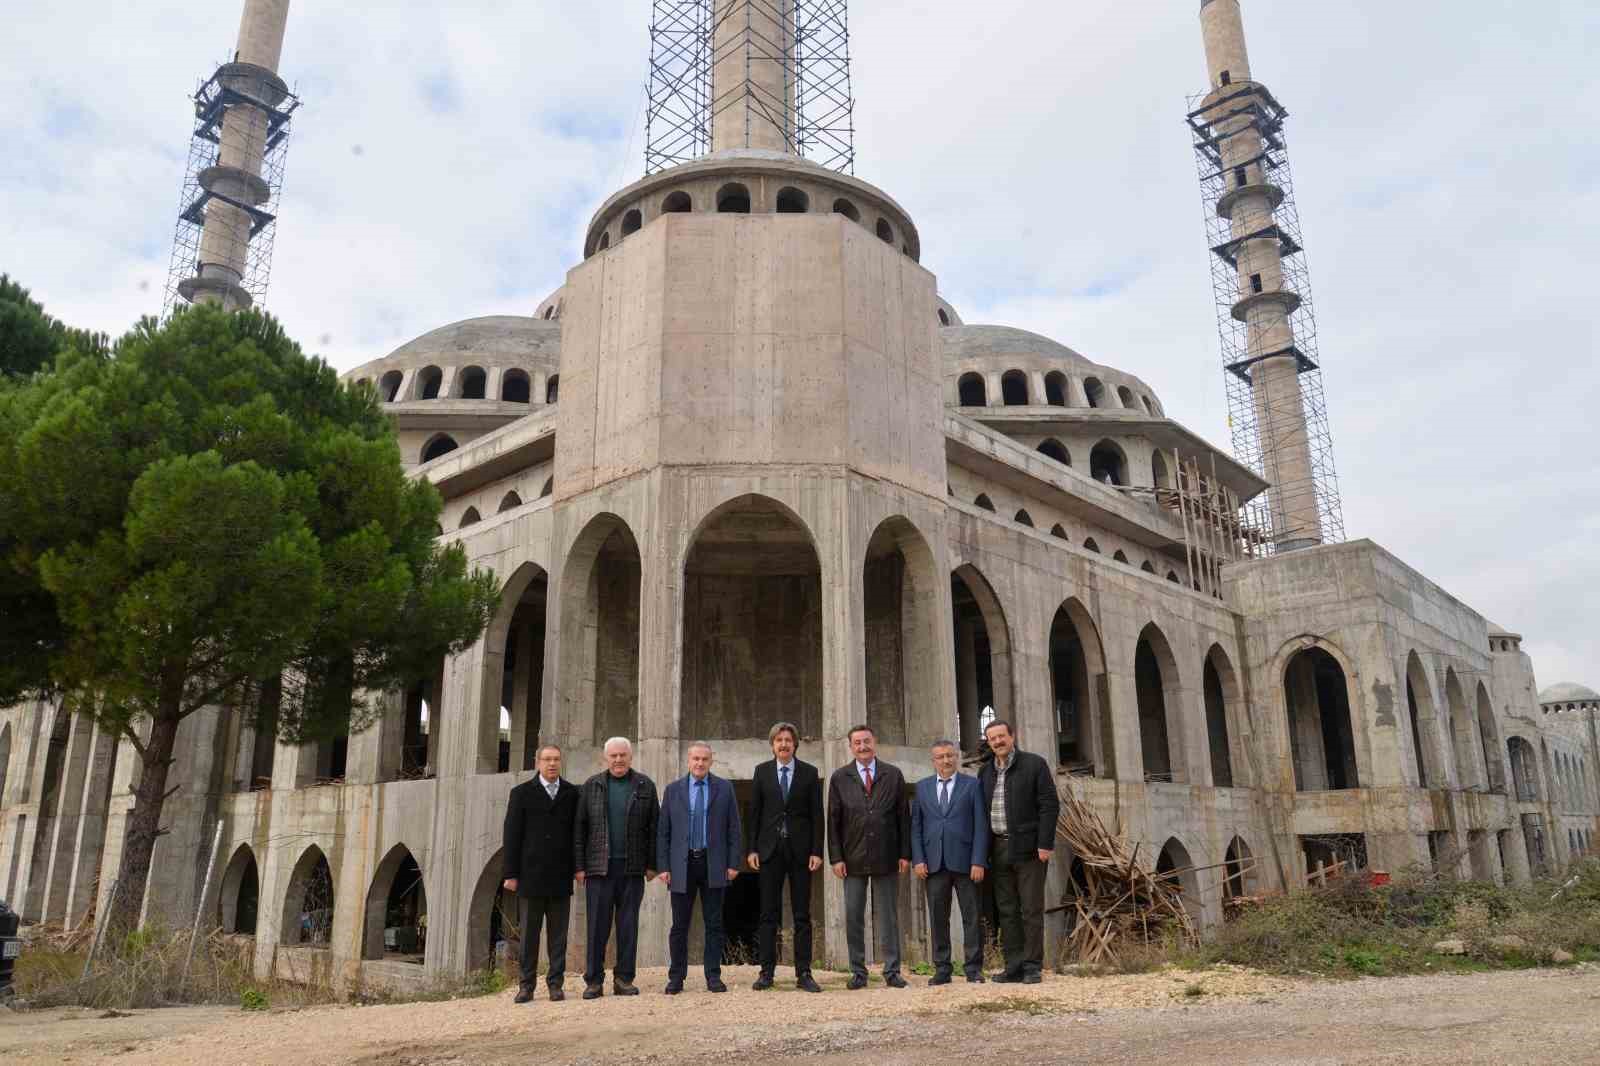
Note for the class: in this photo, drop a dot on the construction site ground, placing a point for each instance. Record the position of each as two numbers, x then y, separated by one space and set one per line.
1547 1017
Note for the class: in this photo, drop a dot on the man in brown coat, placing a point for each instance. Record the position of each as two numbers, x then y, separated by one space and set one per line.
869 845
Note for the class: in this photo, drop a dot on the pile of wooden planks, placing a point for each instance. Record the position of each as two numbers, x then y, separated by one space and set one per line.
1115 902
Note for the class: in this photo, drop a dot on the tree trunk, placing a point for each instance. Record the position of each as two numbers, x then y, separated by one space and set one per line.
144 823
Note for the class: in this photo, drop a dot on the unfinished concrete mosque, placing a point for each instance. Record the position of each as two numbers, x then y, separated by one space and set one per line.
747 465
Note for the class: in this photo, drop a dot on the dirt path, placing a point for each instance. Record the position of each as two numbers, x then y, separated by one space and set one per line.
1241 1019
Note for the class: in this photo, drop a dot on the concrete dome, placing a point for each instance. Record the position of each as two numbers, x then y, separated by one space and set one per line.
471 360
1569 692
996 350
513 337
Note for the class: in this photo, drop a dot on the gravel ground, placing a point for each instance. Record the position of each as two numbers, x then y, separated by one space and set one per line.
1237 1017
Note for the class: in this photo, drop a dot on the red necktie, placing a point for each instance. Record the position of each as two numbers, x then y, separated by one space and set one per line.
868 772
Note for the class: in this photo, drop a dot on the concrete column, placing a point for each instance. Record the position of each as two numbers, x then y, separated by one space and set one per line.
65 818
1222 25
92 819
524 696
752 75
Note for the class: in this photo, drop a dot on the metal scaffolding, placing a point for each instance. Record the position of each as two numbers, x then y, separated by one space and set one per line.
815 111
241 211
1261 418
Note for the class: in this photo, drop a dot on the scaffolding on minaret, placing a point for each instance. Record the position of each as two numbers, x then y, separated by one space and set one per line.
1269 418
769 74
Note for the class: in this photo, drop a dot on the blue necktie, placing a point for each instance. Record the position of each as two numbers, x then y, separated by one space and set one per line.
944 796
783 776
697 835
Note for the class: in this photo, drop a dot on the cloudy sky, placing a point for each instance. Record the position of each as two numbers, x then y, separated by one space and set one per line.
449 154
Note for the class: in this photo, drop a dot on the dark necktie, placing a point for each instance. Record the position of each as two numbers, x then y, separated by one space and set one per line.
944 796
783 777
697 831
867 780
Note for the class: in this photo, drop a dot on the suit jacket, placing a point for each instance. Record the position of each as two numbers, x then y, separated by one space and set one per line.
724 837
869 836
538 838
769 808
1032 804
956 839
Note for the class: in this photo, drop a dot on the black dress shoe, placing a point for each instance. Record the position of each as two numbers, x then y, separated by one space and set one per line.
673 988
556 995
624 988
593 991
939 979
975 978
524 995
716 986
1031 978
806 983
1007 978
894 980
857 983
763 982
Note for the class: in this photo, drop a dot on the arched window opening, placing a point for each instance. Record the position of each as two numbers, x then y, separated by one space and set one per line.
1055 389
1148 567
600 632
1216 701
1160 475
547 488
549 313
1108 465
885 231
631 221
1524 773
397 910
1120 556
1321 732
239 896
983 656
442 444
847 209
1125 394
472 383
973 391
508 501
792 201
552 389
902 631
677 202
605 242
1014 388
1175 866
518 633
1024 518
1238 873
428 381
389 386
983 501
1463 735
514 387
1056 450
1155 677
1091 545
1419 704
944 319
1172 576
308 904
1094 392
1059 531
469 517
1149 407
1078 687
492 918
733 199
752 624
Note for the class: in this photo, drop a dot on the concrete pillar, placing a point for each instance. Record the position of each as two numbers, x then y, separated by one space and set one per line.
64 819
92 819
752 76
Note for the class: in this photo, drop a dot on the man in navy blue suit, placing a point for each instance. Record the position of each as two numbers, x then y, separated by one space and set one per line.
698 849
950 850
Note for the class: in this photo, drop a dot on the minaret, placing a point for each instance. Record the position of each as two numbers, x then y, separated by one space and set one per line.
1276 411
753 75
242 115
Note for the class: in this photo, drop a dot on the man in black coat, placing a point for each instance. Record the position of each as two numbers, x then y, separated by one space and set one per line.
1020 792
539 868
785 845
869 844
614 841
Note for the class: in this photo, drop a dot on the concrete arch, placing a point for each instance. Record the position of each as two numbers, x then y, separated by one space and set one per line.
507 648
398 894
435 446
1055 450
983 653
428 384
1158 688
1023 518
309 900
469 517
1014 388
492 915
1318 687
597 680
1424 723
1177 864
508 501
1084 734
901 630
471 382
1524 769
239 895
1239 876
1108 463
984 502
752 622
972 391
1463 735
1056 389
1224 701
389 386
515 386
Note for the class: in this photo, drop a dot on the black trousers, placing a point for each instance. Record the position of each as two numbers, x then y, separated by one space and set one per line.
552 912
941 887
790 863
612 900
695 883
1019 897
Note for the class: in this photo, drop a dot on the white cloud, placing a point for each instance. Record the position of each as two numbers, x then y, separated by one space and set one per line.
1443 153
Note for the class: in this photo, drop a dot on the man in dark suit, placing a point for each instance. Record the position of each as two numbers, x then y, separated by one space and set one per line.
949 850
614 843
1020 793
698 850
786 845
869 844
539 868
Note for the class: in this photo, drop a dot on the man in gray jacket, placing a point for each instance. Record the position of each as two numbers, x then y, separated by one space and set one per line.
614 839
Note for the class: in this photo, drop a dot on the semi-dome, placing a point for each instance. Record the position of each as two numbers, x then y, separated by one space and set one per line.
994 355
1568 692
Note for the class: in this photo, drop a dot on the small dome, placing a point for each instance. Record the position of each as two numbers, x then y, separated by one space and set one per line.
1569 692
971 342
481 338
999 349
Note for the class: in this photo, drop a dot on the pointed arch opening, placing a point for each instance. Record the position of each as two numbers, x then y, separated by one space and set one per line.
1108 463
902 628
437 445
1079 689
1238 871
469 517
1057 451
1321 731
396 914
511 715
1464 743
239 896
552 389
508 501
1092 545
1023 518
308 901
1524 770
1175 865
984 502
752 623
1221 691
1160 699
983 655
1120 556
1059 532
1420 711
598 681
493 917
